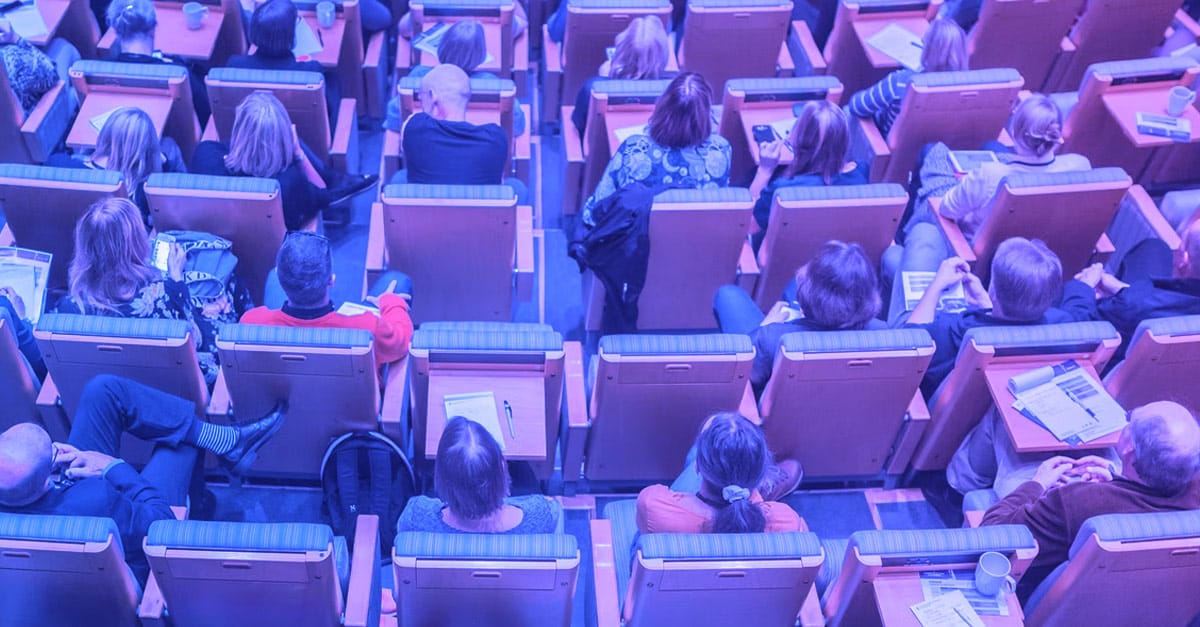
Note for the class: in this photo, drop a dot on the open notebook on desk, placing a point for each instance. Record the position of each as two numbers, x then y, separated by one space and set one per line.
1068 402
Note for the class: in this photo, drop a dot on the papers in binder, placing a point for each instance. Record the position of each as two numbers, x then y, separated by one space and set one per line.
1068 402
27 21
953 300
430 39
948 610
936 583
353 309
477 407
900 44
307 43
26 272
964 161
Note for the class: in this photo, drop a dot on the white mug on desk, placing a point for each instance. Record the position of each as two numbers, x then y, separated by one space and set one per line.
992 574
193 13
1178 99
326 13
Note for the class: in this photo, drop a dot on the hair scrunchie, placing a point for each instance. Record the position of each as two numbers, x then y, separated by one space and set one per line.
735 493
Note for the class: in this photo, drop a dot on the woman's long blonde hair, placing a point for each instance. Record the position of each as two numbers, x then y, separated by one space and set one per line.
111 251
641 50
129 143
261 143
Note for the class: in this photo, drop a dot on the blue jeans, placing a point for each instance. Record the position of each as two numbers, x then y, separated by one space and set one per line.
735 311
274 296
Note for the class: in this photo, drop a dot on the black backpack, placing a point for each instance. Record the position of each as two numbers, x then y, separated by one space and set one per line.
365 472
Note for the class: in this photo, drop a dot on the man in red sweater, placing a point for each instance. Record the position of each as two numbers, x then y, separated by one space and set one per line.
305 270
1160 471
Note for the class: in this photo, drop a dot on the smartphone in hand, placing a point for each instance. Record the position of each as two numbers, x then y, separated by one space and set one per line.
763 133
162 250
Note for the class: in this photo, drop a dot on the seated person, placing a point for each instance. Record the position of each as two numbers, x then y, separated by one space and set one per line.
111 275
304 268
135 22
30 72
679 150
129 144
1151 283
641 52
520 23
819 144
836 290
462 45
86 477
470 477
943 49
12 312
1160 471
1025 285
721 488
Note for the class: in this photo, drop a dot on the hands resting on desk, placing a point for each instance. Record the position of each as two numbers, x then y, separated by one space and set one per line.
1060 470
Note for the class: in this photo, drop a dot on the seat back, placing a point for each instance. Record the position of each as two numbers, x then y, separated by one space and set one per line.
302 95
491 102
1021 34
1162 355
631 438
42 206
759 27
592 27
963 397
1154 558
326 376
846 50
962 109
615 105
1108 30
64 570
132 84
837 400
697 238
750 101
871 555
246 211
48 123
804 218
461 580
18 388
426 13
425 228
1067 210
513 360
228 573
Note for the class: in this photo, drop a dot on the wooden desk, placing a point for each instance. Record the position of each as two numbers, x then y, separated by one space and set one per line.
1028 436
754 117
896 593
82 135
173 37
1125 105
495 48
618 119
525 392
53 12
331 40
865 28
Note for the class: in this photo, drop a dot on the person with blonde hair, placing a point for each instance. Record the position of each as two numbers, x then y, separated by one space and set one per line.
943 49
135 23
263 144
641 53
129 144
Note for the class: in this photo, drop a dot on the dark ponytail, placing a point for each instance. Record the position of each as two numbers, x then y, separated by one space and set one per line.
732 456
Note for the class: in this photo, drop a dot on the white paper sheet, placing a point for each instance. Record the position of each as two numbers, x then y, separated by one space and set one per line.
900 44
307 42
953 300
26 271
949 610
629 131
27 21
478 407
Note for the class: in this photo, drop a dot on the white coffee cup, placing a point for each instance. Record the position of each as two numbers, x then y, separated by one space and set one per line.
193 13
992 574
326 13
1178 99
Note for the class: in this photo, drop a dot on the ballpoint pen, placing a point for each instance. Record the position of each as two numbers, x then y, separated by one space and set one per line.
512 430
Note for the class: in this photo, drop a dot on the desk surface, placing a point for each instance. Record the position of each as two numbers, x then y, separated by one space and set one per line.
867 25
82 135
617 119
525 392
1124 106
52 12
1028 436
330 38
896 593
173 37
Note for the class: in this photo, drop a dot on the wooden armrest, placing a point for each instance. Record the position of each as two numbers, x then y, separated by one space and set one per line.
48 122
50 410
749 405
375 75
1104 246
574 162
604 573
219 402
785 66
576 409
958 242
44 106
376 248
1143 203
523 264
364 575
153 607
804 51
551 52
180 512
210 132
391 156
1185 22
6 236
523 149
343 152
973 518
395 393
912 431
871 148
810 612
748 270
552 96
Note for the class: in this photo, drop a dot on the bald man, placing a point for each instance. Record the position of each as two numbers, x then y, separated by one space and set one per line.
1160 471
441 146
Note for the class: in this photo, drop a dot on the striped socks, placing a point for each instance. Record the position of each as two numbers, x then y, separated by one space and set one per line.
216 438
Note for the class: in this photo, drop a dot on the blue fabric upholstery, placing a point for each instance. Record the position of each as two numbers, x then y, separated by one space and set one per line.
711 195
1138 527
923 544
853 341
1140 67
273 77
979 500
817 193
240 536
1082 177
705 344
486 546
341 562
630 88
831 568
716 4
464 4
154 71
623 516
478 85
55 124
1066 337
487 341
450 192
905 5
968 77
809 85
107 178
618 4
239 184
271 335
103 326
48 528
487 327
722 546
1168 327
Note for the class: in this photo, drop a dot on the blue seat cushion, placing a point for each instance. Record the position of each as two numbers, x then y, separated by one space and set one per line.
541 546
516 340
855 341
270 335
105 326
701 344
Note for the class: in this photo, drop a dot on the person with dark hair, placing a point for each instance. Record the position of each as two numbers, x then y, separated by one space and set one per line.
1026 284
304 273
836 290
720 490
135 23
273 33
86 476
470 477
1159 471
679 148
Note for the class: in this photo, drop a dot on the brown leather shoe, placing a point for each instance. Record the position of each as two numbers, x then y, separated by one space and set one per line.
782 479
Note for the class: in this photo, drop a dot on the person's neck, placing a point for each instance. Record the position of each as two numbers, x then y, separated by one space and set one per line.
490 523
1026 156
140 45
